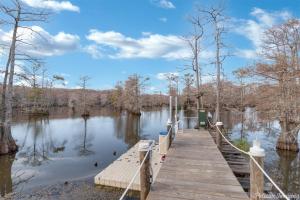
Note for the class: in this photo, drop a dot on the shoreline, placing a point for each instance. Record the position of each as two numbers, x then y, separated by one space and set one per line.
75 189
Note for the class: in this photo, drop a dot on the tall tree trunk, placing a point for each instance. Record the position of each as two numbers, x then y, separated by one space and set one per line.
218 72
3 138
6 184
288 139
7 143
197 79
4 84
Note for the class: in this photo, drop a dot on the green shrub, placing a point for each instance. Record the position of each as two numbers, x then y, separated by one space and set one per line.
242 144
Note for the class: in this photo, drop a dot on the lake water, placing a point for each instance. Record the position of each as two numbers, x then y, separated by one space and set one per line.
282 166
66 147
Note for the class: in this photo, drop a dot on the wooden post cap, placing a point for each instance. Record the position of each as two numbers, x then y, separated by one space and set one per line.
169 122
256 150
144 145
219 123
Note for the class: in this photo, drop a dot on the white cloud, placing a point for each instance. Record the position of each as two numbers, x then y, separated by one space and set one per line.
164 4
208 78
117 45
146 33
163 76
253 29
247 53
42 42
152 88
52 5
93 50
163 19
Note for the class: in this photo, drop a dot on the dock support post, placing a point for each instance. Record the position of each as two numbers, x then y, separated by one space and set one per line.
169 137
169 124
176 109
170 110
218 135
145 169
256 175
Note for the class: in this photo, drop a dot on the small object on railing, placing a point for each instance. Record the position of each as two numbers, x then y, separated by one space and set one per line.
256 175
163 158
218 135
145 179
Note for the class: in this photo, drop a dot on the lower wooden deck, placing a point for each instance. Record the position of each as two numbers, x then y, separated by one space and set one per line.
195 169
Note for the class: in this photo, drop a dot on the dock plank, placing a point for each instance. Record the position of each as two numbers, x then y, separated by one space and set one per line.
119 173
195 169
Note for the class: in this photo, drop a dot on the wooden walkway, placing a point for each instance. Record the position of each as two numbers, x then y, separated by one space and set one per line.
195 169
120 172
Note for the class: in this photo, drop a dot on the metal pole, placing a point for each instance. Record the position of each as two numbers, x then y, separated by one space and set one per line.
170 111
169 123
176 109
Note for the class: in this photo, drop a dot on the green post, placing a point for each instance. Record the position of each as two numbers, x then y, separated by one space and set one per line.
202 117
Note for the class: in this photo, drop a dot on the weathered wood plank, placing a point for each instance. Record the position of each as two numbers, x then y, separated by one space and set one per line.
195 169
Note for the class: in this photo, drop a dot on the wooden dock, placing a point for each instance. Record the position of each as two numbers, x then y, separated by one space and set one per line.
195 169
120 172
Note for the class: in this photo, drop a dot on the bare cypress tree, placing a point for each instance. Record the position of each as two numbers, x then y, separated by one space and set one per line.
281 71
240 75
133 88
215 16
83 86
172 79
194 43
188 82
16 14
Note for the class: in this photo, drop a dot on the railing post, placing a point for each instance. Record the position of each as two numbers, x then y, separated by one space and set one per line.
145 169
170 109
169 125
256 175
169 136
176 109
218 135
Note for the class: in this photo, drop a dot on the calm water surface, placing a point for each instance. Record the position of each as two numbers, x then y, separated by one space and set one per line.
283 166
65 147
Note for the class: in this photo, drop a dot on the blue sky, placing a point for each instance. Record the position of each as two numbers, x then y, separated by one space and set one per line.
111 39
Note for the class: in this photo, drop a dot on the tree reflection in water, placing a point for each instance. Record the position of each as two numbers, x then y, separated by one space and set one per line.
127 127
86 144
5 174
36 153
43 144
289 166
189 121
132 130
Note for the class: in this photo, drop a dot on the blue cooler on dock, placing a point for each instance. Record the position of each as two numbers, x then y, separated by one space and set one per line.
165 133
